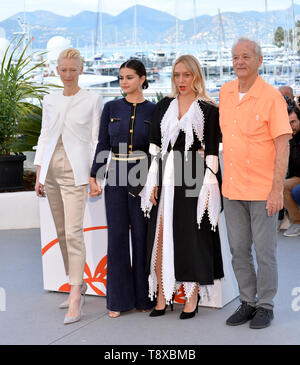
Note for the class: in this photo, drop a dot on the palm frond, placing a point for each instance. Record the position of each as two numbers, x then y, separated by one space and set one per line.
20 120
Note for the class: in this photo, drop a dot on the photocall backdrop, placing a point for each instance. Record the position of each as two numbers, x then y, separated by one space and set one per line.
95 235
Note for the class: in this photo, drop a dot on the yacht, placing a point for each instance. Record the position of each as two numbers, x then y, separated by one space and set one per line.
85 80
158 56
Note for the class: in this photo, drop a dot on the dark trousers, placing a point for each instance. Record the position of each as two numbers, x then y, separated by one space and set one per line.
127 284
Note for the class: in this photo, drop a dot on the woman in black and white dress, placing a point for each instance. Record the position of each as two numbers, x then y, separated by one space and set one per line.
183 239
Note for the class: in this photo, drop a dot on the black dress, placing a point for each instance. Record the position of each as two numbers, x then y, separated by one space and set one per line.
197 252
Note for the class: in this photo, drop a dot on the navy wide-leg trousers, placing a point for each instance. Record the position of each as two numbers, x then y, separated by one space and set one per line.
127 283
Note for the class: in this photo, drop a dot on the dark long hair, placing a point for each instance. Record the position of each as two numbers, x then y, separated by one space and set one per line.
139 68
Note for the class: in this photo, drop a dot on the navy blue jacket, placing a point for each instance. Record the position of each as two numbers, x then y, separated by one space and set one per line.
123 122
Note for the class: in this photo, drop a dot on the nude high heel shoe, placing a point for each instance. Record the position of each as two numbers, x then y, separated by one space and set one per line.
69 320
65 304
113 314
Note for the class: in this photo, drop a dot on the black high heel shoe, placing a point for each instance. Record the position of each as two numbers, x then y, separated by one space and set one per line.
187 315
160 312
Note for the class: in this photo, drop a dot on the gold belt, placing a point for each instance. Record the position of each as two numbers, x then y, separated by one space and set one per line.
126 157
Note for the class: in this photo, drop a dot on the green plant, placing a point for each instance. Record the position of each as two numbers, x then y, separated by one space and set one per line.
122 94
16 88
30 127
159 96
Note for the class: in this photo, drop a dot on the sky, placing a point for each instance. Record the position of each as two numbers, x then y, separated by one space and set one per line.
114 7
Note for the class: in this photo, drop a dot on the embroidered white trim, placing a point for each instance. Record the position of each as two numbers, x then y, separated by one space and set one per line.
151 182
192 120
209 198
168 269
166 212
189 287
153 149
152 279
153 282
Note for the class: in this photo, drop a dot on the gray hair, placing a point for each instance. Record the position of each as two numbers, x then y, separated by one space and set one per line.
256 46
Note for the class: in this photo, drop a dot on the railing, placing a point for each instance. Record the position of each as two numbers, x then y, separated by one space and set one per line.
109 93
116 91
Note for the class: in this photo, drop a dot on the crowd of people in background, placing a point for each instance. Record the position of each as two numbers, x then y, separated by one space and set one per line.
292 182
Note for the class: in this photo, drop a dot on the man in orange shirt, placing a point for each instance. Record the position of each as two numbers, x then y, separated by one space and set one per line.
256 131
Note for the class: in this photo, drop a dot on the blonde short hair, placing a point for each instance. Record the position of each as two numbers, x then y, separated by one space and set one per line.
198 85
71 53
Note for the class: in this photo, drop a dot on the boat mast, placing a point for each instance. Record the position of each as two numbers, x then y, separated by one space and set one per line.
293 42
99 20
287 47
177 29
266 19
195 19
25 28
134 26
221 44
93 41
101 25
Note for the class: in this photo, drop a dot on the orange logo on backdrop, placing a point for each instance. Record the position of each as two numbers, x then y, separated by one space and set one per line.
99 277
100 272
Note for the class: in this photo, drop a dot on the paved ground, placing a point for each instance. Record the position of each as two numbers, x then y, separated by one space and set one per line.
32 316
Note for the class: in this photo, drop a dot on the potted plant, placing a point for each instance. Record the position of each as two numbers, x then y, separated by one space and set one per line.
18 96
30 128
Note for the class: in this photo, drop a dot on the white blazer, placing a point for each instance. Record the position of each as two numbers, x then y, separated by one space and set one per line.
77 119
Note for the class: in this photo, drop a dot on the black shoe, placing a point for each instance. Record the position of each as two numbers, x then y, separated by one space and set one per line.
262 318
187 315
160 312
241 315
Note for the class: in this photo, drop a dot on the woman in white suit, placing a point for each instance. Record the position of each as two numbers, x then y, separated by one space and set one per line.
65 151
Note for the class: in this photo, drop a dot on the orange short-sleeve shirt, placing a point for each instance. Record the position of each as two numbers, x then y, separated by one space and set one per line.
249 127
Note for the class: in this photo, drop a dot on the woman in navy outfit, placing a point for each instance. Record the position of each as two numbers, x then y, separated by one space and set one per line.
124 132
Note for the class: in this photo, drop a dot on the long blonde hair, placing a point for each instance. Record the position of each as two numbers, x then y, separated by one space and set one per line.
198 85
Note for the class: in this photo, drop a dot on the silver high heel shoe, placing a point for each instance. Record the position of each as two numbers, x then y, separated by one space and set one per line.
69 320
65 304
